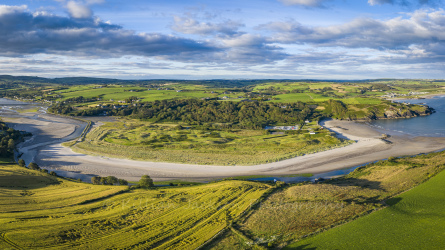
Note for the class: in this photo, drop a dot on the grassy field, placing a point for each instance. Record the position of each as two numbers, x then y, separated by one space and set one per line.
304 209
414 220
164 142
350 93
39 211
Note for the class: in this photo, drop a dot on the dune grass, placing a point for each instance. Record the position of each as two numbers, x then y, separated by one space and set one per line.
38 211
164 142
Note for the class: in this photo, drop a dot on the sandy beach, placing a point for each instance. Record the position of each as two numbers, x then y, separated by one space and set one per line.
368 148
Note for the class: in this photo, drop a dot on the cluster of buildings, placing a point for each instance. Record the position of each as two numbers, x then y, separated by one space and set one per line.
394 95
296 127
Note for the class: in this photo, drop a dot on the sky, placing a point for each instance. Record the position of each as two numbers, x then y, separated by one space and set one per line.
231 39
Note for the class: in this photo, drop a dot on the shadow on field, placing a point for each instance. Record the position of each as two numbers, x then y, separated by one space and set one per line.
26 181
363 183
393 201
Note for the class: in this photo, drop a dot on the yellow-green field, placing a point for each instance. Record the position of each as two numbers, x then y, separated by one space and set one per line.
301 210
165 142
38 211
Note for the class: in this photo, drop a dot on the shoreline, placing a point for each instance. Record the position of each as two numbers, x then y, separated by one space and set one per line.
368 148
48 153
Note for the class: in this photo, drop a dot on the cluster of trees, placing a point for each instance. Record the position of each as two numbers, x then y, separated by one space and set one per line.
109 180
144 182
9 137
34 166
60 108
250 115
81 99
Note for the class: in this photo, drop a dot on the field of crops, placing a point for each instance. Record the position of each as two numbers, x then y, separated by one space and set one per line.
39 211
164 142
301 210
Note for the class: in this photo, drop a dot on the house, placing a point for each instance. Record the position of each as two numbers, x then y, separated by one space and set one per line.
312 133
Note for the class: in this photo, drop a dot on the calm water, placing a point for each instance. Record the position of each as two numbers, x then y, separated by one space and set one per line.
431 126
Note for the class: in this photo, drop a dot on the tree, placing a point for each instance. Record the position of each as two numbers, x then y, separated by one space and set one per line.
122 182
33 166
103 180
95 180
53 173
11 144
22 163
146 182
111 180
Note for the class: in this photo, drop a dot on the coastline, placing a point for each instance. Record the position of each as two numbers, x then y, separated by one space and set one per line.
50 131
368 148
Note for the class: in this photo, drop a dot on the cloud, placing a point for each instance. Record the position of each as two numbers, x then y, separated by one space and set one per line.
420 28
307 3
189 25
78 10
24 32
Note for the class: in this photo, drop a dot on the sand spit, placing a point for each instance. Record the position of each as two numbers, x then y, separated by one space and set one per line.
368 148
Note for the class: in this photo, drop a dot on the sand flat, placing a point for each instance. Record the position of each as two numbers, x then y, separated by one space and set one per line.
368 148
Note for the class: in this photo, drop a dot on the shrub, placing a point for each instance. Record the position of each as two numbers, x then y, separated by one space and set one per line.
146 182
22 163
33 166
95 180
111 180
122 182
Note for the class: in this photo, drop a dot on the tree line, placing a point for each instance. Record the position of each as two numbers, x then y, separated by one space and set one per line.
248 114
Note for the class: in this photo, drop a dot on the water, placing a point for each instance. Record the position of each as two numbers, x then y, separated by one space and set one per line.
430 126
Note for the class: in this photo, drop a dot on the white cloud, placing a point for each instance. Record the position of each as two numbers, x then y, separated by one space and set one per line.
188 25
78 10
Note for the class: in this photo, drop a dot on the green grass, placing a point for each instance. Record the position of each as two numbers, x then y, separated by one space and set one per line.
163 142
414 220
39 211
304 209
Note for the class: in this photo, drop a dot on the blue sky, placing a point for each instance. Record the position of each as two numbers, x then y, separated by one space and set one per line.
274 39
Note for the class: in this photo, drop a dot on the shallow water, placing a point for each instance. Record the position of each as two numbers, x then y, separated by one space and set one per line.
430 126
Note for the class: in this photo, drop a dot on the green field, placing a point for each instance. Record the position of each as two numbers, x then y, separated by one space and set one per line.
39 211
288 215
414 220
164 142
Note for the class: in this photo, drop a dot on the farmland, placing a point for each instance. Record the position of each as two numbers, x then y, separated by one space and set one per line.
167 143
40 211
300 210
